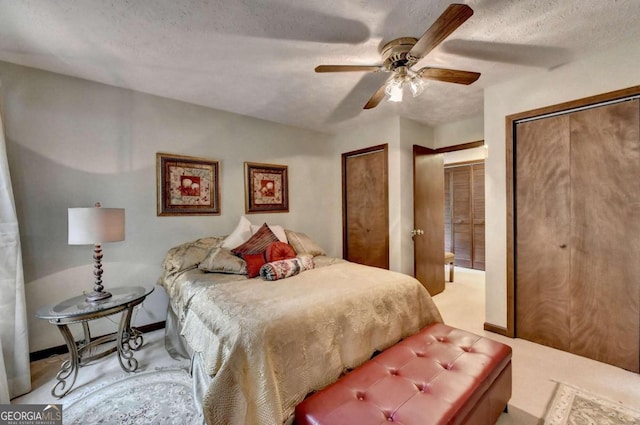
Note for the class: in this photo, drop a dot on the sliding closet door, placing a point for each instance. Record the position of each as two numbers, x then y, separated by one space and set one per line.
543 218
605 225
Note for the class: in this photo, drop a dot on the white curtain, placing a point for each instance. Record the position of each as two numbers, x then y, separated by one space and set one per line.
15 377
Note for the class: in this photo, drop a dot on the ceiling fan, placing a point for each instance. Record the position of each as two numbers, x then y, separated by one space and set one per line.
401 54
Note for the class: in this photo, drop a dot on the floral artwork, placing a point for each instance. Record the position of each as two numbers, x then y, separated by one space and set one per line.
187 185
266 188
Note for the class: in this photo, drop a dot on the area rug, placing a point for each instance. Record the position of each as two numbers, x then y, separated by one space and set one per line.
573 406
155 397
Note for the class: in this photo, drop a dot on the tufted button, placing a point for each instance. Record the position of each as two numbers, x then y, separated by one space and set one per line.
441 339
390 419
420 354
466 349
393 372
360 396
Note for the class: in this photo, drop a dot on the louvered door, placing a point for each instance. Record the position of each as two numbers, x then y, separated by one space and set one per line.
464 214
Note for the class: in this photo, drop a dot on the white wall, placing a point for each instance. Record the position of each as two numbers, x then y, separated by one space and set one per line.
459 132
617 68
73 142
465 155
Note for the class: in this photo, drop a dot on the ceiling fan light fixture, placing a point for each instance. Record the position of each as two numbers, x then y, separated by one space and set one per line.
417 85
394 90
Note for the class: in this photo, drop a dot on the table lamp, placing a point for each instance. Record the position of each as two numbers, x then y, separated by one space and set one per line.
93 226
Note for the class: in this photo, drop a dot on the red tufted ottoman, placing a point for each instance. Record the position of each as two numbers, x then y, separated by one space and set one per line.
441 375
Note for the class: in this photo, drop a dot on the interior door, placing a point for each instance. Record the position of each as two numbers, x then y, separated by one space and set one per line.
365 191
428 207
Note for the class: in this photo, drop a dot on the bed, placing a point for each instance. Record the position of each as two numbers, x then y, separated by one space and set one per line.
258 347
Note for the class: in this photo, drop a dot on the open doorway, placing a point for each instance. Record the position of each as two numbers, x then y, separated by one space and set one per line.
429 257
464 218
464 227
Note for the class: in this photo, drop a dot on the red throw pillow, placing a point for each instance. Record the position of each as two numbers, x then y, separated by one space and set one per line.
258 243
279 251
254 263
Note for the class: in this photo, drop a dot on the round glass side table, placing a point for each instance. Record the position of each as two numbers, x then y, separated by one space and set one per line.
77 310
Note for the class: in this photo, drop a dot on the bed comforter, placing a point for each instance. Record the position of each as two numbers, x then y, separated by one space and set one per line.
267 344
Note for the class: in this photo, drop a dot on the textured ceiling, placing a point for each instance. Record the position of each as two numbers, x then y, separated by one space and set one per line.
257 58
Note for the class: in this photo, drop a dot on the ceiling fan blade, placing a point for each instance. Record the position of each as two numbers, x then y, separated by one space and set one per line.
449 75
348 68
376 98
448 22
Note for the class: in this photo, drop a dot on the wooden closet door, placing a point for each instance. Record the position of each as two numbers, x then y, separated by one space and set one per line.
448 229
461 215
605 227
365 185
477 177
543 235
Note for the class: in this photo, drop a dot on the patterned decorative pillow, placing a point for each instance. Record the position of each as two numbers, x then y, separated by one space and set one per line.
279 251
240 234
189 254
303 244
221 260
286 268
254 263
257 244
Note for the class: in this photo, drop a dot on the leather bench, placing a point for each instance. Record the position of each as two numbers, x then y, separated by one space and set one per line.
441 375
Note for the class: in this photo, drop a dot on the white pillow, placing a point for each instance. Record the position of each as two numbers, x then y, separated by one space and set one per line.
277 230
240 234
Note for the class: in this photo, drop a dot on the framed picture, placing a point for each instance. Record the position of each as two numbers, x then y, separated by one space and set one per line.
187 185
266 188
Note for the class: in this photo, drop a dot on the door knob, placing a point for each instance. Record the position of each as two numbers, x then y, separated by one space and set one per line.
417 232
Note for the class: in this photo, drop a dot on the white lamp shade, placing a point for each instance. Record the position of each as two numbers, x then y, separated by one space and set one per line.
88 226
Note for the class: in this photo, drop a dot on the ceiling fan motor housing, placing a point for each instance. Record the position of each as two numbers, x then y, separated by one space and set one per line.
395 53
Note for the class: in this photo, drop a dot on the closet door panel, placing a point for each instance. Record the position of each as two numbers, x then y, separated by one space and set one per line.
605 209
477 171
542 218
461 215
448 229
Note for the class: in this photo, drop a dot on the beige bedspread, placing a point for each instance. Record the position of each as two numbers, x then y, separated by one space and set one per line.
268 344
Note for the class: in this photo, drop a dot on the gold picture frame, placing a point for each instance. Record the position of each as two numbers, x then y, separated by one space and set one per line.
266 188
187 185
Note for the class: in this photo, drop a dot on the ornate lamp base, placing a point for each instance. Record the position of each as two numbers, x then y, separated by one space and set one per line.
95 296
98 294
